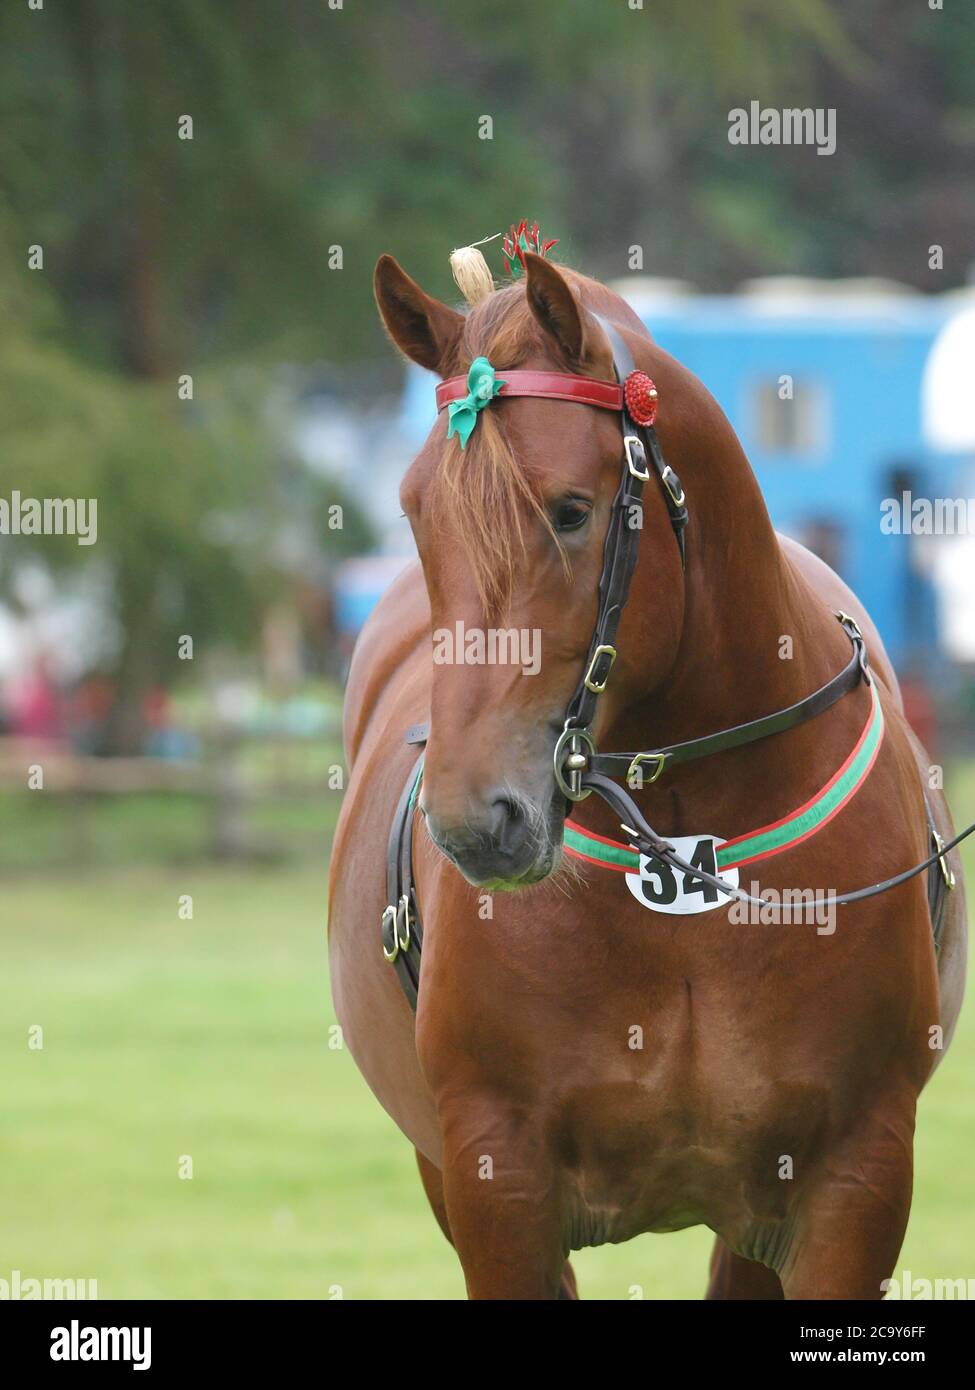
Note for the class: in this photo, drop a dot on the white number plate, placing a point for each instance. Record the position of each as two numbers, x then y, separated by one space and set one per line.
663 889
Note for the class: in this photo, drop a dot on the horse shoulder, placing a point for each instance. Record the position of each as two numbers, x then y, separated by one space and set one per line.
952 958
839 597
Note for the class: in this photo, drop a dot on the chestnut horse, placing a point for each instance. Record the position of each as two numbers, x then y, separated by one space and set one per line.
582 1068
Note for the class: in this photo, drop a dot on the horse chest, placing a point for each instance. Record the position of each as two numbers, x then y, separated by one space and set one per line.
678 1137
661 1173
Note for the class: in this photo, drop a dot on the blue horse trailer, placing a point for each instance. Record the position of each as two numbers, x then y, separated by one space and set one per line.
824 391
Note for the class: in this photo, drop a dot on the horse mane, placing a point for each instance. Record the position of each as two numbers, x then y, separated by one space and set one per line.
483 491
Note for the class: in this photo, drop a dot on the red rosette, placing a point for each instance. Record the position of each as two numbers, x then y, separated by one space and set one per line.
640 395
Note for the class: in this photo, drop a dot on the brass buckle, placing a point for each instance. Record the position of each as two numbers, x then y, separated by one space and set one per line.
947 872
569 768
603 650
845 618
403 916
389 915
628 441
673 485
660 759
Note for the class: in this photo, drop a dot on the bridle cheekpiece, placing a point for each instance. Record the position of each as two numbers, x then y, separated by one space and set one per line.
634 397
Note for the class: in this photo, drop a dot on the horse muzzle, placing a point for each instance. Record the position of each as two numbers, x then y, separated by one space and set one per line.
502 846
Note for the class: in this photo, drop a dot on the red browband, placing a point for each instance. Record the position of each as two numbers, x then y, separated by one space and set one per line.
608 395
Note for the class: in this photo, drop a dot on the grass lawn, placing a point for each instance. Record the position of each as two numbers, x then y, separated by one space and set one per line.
210 1038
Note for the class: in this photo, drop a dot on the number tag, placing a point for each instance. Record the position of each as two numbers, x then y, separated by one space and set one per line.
663 889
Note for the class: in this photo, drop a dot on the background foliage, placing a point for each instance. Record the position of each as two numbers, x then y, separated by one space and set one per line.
315 127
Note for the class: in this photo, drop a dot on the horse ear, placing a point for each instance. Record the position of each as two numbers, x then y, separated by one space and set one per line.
556 308
425 330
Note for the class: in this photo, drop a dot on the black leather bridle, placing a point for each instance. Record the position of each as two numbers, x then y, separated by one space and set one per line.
575 752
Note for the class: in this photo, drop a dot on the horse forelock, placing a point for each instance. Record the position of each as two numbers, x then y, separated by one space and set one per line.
484 493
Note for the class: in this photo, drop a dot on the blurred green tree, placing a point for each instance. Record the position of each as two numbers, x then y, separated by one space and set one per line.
197 503
317 128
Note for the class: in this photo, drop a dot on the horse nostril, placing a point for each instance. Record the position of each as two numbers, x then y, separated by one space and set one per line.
496 841
508 821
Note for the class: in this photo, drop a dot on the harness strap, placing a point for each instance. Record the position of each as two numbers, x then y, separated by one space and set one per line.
645 840
657 759
670 485
767 840
406 961
621 546
402 936
940 884
619 561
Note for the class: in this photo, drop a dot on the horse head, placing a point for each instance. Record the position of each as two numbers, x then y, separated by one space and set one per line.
511 527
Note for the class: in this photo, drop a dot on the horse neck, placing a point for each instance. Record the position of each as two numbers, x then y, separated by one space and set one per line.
754 638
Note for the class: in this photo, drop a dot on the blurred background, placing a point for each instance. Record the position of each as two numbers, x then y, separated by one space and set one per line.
192 198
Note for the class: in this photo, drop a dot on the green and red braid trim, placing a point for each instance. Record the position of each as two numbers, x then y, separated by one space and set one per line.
770 839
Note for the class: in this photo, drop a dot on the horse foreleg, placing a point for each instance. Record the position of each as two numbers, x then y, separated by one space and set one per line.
732 1277
502 1205
432 1180
851 1223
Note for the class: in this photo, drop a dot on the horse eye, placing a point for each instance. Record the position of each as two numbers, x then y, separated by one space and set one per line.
569 515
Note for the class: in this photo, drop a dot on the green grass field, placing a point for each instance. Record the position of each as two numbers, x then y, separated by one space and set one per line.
210 1038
